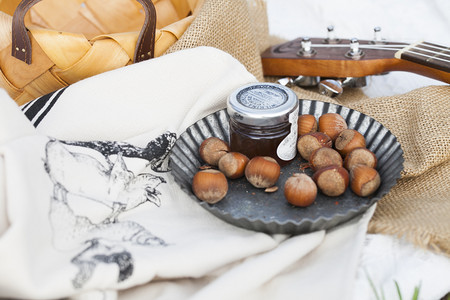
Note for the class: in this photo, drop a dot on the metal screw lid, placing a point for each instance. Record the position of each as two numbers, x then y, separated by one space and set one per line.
261 104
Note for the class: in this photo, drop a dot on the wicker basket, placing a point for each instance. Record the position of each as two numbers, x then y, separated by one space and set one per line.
70 40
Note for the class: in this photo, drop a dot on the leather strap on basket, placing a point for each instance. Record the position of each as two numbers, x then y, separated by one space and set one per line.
21 45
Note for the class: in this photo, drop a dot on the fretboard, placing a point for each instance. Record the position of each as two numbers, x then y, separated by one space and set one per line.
427 54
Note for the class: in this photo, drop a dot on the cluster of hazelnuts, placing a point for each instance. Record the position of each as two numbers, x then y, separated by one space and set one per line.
337 155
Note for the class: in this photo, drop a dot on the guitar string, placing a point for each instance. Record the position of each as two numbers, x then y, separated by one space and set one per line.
365 46
430 56
436 46
384 47
430 51
442 48
426 44
392 48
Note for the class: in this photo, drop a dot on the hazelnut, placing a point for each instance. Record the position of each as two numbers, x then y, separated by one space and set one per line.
364 180
332 124
306 124
300 190
233 164
309 142
347 140
360 156
324 157
212 149
210 185
332 180
262 171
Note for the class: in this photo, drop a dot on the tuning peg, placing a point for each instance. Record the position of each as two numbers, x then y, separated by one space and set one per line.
354 82
354 52
377 36
331 36
286 81
301 81
306 49
335 87
306 81
331 87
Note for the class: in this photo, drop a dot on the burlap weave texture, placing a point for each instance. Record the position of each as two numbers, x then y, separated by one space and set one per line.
238 27
418 207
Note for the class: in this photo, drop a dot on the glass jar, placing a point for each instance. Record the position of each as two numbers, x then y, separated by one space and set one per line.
263 121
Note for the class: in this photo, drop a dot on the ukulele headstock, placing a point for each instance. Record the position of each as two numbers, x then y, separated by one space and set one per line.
343 62
346 62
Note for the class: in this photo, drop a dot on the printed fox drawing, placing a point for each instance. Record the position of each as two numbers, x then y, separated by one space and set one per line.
96 177
114 186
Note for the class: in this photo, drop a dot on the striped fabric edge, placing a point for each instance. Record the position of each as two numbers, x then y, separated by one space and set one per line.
37 109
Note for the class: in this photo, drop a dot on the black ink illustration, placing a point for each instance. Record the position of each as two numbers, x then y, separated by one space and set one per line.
155 152
102 176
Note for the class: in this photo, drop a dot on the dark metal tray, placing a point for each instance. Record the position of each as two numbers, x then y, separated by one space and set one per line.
254 209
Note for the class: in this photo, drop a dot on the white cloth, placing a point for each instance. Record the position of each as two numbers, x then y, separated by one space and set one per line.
58 198
317 265
86 219
388 260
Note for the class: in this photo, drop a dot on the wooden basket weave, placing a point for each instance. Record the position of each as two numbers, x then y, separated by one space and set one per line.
70 40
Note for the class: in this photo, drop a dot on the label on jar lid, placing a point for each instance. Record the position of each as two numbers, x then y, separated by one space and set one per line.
262 97
262 104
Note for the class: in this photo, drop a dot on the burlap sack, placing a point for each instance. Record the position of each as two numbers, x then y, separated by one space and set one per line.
418 207
238 27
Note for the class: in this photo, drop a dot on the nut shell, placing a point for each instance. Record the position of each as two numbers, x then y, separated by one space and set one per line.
262 171
332 181
307 143
212 149
300 190
360 156
347 140
332 124
210 185
364 180
233 164
306 124
324 157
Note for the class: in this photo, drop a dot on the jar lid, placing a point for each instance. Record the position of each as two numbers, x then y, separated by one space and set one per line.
261 104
